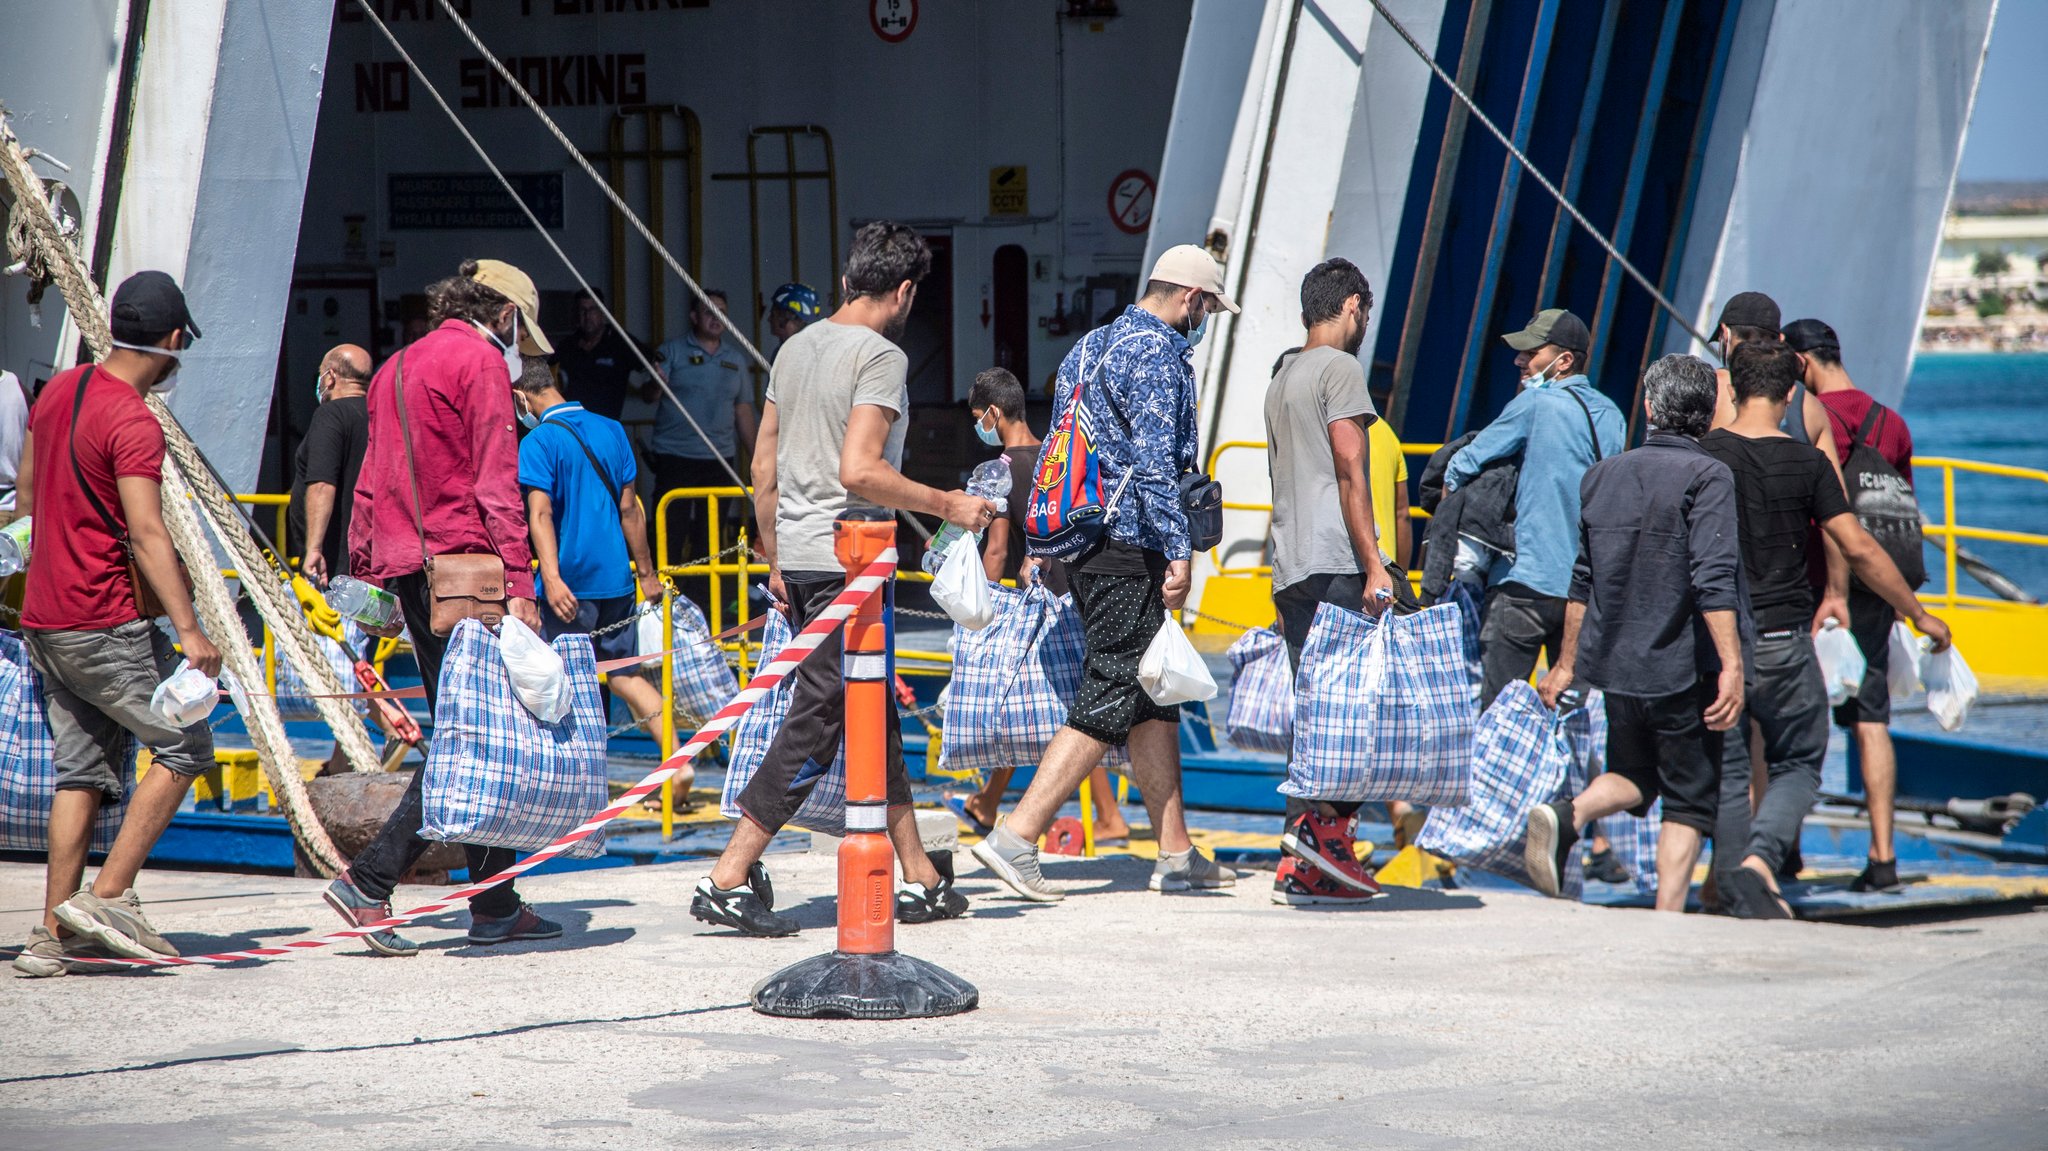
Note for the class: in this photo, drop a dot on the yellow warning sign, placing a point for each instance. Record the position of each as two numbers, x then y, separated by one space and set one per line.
1009 191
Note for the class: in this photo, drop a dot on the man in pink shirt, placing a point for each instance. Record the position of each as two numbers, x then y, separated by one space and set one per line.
464 445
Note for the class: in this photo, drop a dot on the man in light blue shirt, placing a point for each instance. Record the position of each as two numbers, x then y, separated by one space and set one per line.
1559 425
708 373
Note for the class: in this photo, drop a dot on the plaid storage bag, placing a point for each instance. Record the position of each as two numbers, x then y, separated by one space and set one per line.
825 808
1633 840
1013 682
28 759
496 775
1261 693
1383 709
1523 755
704 680
295 696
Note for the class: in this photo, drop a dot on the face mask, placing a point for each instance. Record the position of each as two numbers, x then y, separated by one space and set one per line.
513 365
1542 378
527 419
993 437
1194 335
167 384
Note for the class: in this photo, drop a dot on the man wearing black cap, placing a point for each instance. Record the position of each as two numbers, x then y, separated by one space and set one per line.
1559 425
1754 316
94 492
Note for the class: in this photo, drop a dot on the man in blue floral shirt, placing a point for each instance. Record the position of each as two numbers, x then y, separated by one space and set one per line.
1140 397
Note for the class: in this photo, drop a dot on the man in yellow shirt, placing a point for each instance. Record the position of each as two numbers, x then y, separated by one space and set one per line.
1388 470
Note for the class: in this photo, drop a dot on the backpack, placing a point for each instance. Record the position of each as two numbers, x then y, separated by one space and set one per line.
1883 501
1065 513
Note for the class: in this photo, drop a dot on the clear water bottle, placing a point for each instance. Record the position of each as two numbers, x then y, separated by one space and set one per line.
990 480
14 547
372 607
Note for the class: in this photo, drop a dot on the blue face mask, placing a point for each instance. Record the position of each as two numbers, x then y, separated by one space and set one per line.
993 437
1194 337
527 419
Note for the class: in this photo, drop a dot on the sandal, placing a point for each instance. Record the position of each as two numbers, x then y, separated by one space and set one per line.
957 804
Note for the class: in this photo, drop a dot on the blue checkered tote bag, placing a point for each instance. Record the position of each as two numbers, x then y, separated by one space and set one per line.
987 666
1383 709
1523 755
1261 693
1634 840
704 680
496 775
28 759
825 808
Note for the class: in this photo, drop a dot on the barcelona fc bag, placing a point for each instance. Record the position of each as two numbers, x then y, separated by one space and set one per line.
1066 512
1883 500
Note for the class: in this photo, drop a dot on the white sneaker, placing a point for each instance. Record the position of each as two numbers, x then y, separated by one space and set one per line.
1015 862
1187 870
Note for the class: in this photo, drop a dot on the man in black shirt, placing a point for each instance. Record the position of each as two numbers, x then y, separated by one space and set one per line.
1783 488
331 455
597 365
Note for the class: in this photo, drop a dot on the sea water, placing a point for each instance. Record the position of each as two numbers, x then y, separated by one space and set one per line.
1990 407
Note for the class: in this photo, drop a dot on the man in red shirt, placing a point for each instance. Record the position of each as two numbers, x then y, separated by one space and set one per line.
464 447
93 489
1867 715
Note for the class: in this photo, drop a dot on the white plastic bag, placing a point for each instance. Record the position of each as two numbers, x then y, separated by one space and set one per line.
647 636
185 697
961 587
538 678
1951 688
1903 661
1172 671
1841 661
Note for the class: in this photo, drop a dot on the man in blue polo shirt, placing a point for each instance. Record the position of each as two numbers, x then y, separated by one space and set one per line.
708 373
588 529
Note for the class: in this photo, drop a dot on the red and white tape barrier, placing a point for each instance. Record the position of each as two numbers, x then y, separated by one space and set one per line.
764 680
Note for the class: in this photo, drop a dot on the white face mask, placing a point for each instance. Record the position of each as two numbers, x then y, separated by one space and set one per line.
513 364
163 387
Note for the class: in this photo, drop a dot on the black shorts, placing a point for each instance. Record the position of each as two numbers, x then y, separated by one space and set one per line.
1661 744
1117 591
592 616
1870 621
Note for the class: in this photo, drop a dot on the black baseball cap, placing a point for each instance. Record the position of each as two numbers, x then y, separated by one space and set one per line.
1811 335
1749 310
1551 326
150 304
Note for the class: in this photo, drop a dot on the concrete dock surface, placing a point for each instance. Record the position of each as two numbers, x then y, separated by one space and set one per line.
1117 1019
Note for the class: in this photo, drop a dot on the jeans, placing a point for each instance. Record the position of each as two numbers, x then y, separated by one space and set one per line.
1518 623
1788 706
398 845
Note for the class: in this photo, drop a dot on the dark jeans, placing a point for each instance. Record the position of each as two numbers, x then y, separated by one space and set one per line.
1788 704
1297 603
690 527
1518 623
815 729
398 844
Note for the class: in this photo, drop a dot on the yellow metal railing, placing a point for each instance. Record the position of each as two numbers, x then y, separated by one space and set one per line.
1423 451
1949 532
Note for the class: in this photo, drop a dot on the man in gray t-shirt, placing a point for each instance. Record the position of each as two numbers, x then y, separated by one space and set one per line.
1325 544
831 440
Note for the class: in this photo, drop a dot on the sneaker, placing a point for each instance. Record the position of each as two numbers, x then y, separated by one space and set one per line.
740 909
1189 870
526 923
115 924
47 956
916 903
359 909
1327 846
1548 845
1879 877
1602 865
1015 862
762 887
1296 884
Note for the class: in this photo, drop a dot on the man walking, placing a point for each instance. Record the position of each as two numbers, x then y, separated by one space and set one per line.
1751 316
1559 425
1326 545
442 476
1784 489
709 375
329 460
90 474
1140 395
1658 615
832 433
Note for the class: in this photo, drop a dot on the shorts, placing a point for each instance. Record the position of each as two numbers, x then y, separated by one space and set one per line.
1117 592
592 615
96 689
1870 621
1661 744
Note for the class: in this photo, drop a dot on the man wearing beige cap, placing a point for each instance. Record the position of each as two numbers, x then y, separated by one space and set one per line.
441 476
1137 392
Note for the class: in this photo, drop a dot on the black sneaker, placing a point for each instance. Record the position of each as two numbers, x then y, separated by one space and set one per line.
1879 877
740 909
916 903
1548 846
757 880
1602 865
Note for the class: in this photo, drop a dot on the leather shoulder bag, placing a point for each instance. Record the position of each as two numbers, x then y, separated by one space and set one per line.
460 585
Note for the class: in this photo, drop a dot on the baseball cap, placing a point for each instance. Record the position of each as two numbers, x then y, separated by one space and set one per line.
517 287
1809 335
1551 326
149 303
1749 310
1191 266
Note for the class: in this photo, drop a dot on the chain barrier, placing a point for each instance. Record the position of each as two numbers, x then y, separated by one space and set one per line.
1218 622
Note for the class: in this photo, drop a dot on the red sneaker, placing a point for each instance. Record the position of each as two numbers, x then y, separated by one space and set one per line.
1296 884
1327 846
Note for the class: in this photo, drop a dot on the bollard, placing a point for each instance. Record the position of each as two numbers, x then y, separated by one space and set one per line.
865 977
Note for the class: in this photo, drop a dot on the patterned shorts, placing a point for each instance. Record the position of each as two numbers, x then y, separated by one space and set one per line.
1119 616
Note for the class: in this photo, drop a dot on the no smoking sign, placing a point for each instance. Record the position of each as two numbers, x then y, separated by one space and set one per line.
1130 201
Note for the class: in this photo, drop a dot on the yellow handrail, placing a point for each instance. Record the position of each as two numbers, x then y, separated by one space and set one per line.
1948 531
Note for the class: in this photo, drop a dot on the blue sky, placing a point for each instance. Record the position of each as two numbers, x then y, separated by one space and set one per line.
2005 141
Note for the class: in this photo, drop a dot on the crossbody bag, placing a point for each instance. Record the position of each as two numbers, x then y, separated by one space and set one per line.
146 600
460 585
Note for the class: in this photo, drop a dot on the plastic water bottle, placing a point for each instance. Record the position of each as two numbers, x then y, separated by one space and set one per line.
372 607
990 480
14 546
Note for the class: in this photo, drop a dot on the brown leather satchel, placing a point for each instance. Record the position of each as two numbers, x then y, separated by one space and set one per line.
460 585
